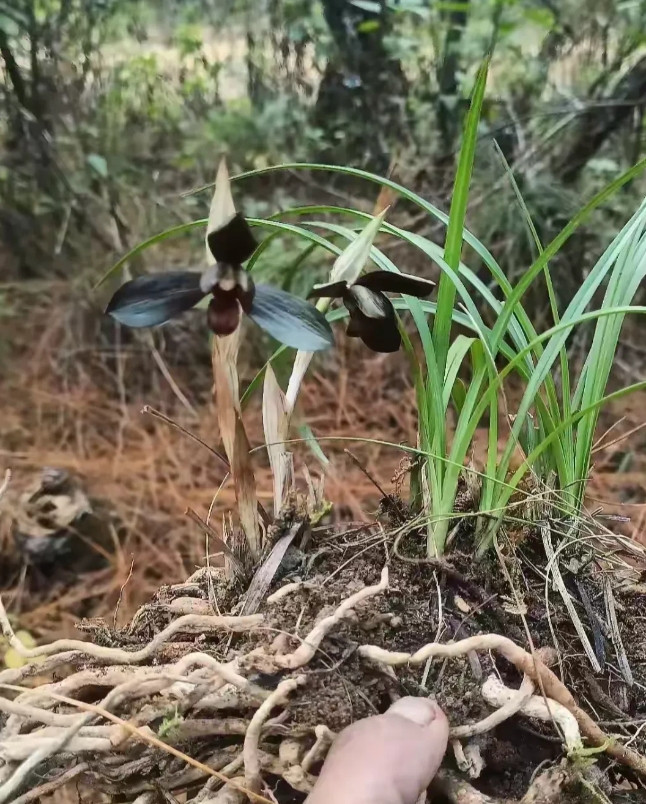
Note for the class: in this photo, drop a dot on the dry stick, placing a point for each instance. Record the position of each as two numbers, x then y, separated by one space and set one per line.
372 479
250 746
190 623
265 573
305 652
5 483
45 789
220 543
146 736
517 699
167 420
525 663
121 590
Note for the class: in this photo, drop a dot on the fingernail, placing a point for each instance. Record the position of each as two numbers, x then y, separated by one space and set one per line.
419 710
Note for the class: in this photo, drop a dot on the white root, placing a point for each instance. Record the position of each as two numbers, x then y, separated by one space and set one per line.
250 747
507 708
284 591
526 663
450 786
468 758
306 651
497 694
189 623
22 772
318 752
16 750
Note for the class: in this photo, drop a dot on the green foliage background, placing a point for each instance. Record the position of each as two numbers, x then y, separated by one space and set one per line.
110 108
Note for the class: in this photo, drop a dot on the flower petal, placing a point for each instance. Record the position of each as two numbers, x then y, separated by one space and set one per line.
371 303
233 243
333 290
290 320
349 264
151 300
390 282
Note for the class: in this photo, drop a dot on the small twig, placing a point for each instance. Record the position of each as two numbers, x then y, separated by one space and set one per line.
167 420
123 586
5 483
370 477
161 365
600 446
250 746
223 460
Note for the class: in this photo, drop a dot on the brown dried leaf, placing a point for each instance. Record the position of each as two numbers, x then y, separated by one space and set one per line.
275 419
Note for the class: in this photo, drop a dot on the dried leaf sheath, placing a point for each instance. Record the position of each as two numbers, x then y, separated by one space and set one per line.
275 419
234 437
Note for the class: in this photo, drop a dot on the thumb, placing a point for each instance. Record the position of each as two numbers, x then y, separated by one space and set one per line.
385 759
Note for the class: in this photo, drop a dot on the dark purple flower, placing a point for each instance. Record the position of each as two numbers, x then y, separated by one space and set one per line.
372 315
152 300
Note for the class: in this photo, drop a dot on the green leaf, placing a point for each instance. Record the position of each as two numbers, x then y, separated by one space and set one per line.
98 164
457 215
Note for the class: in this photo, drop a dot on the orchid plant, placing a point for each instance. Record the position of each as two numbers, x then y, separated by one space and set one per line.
149 301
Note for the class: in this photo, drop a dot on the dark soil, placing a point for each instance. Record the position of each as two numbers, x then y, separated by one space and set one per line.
473 598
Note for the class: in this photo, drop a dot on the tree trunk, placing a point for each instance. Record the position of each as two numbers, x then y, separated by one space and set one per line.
598 124
361 99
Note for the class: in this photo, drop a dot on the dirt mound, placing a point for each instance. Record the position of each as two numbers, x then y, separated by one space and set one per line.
349 622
